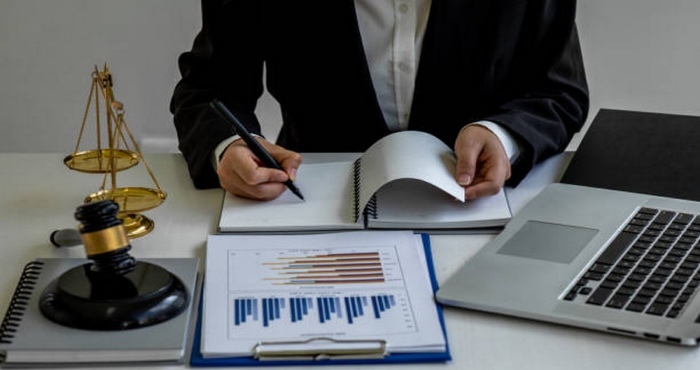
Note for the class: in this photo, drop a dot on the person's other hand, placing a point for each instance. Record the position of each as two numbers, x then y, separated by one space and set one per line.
242 173
482 162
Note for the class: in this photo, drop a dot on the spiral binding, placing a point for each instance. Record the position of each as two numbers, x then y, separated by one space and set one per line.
370 210
20 301
356 187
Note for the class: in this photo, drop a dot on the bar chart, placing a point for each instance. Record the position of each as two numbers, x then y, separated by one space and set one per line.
387 312
319 291
324 309
285 269
332 268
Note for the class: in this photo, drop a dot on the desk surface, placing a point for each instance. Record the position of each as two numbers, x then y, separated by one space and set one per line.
39 194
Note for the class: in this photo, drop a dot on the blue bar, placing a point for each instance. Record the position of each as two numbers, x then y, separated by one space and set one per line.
320 309
304 308
326 308
331 302
386 302
241 310
347 309
255 309
353 306
360 306
250 305
301 308
375 306
337 304
265 311
380 303
292 310
236 313
277 308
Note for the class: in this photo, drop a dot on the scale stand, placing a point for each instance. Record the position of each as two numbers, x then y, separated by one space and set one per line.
118 155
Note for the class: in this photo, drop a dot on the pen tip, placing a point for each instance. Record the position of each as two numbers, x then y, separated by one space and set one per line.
294 189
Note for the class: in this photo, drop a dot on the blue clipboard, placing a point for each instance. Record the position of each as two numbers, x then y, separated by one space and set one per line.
196 359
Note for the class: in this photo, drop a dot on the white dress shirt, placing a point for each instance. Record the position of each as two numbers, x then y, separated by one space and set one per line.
392 34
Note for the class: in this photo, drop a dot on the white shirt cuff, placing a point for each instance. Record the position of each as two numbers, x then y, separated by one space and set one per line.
511 145
219 150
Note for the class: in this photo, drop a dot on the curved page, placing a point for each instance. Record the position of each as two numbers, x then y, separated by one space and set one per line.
408 155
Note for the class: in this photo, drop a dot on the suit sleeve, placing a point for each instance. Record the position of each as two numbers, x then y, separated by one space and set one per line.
224 63
548 94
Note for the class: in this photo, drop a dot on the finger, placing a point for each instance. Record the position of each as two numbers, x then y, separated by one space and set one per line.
262 192
467 152
481 156
258 191
481 189
288 160
489 181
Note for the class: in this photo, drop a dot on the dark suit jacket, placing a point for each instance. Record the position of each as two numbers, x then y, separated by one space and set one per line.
515 62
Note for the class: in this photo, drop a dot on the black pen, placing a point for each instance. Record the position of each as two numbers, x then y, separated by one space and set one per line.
253 144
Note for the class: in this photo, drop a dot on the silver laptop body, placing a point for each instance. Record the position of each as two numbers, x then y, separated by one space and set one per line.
550 264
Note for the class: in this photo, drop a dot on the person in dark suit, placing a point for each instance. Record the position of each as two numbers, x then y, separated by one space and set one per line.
501 81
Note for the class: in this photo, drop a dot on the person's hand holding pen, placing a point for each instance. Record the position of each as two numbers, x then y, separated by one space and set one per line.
242 173
259 171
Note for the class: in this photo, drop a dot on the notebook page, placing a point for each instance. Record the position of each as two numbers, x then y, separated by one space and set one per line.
327 204
412 204
408 155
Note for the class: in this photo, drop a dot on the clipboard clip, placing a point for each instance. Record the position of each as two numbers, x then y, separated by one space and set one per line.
320 349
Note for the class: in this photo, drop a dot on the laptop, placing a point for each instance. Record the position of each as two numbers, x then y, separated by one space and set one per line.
610 260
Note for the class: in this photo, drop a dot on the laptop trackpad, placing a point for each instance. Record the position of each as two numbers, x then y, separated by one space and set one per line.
548 241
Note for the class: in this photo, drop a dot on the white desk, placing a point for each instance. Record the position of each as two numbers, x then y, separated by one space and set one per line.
38 194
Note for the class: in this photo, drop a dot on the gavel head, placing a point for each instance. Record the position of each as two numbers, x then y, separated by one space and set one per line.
104 237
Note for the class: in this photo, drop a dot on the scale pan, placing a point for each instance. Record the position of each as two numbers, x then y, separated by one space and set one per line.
99 160
130 199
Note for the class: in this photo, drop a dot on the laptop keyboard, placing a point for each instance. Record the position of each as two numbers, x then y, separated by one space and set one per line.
651 267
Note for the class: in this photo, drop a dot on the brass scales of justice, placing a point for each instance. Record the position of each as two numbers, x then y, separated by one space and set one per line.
121 153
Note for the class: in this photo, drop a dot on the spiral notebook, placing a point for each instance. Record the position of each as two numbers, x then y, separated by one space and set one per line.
28 339
404 181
